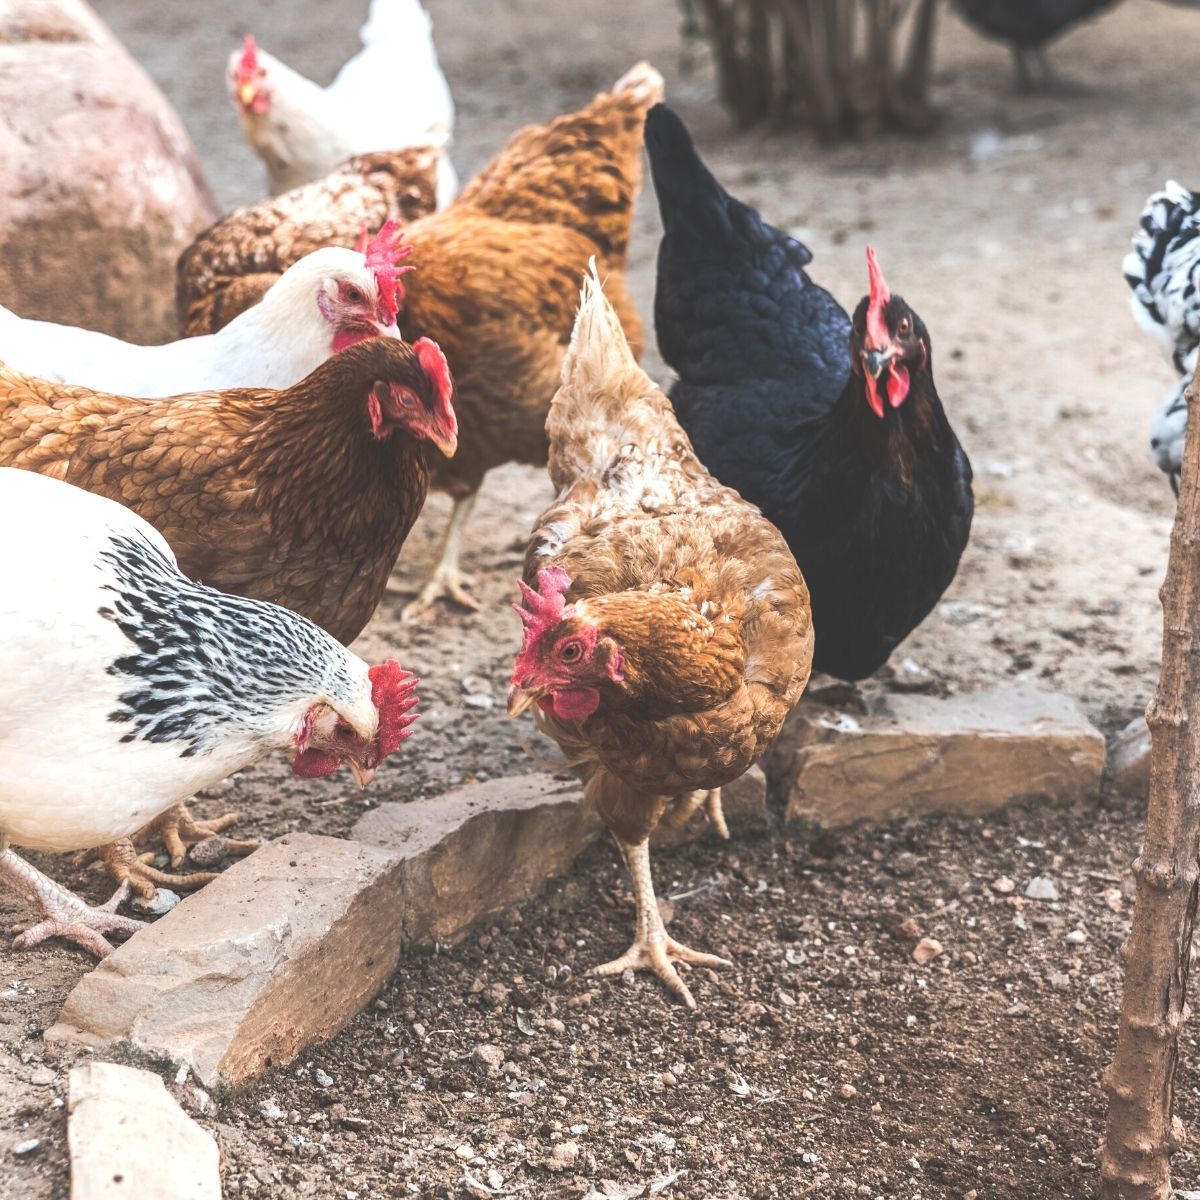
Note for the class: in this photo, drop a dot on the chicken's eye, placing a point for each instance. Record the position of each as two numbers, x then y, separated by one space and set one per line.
905 327
354 295
342 730
570 652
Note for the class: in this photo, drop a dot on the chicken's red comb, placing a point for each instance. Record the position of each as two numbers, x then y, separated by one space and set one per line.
384 253
394 691
433 363
877 330
248 67
546 607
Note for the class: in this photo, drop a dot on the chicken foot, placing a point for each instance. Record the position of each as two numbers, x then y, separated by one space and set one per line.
1045 78
179 830
679 816
653 949
447 580
64 914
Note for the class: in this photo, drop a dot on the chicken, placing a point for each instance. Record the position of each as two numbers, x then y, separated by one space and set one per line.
234 264
301 497
495 283
1163 273
1027 26
327 300
167 687
833 428
390 95
667 627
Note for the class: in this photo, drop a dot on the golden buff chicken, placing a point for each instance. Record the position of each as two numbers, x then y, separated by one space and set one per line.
301 497
668 630
495 284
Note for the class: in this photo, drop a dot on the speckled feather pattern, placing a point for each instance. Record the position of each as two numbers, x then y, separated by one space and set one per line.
283 496
497 273
711 611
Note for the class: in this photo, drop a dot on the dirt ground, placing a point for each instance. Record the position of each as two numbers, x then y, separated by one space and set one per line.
826 1063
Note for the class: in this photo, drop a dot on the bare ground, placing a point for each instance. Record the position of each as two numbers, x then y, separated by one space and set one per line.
980 1072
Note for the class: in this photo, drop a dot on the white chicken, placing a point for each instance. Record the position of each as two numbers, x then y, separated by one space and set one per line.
1163 271
390 95
328 300
125 688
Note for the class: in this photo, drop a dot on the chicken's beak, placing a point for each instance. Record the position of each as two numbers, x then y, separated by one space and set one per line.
246 93
362 775
388 331
877 360
446 440
519 699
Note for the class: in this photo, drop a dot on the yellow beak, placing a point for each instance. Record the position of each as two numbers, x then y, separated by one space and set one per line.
362 775
519 699
246 93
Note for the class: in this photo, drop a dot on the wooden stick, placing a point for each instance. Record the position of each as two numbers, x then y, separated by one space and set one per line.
1142 1131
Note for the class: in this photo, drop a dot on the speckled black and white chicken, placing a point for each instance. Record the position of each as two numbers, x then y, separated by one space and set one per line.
1163 271
125 688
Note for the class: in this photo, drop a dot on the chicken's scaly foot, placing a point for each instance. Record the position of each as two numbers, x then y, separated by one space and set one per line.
65 914
447 580
179 831
653 949
133 870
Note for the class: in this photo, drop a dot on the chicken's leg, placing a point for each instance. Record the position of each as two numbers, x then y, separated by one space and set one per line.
679 815
65 915
447 579
178 830
652 949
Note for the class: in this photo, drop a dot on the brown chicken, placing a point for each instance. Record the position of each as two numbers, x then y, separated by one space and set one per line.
231 267
495 283
302 497
668 630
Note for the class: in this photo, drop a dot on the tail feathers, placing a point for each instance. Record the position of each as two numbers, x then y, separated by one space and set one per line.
599 348
642 83
691 200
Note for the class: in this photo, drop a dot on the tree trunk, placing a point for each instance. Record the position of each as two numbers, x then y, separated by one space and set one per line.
1141 1131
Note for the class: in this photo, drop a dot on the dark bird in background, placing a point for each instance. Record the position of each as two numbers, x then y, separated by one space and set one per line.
1028 26
833 428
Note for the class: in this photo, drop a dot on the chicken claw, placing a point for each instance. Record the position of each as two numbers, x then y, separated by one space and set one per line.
129 868
179 830
653 949
447 582
64 914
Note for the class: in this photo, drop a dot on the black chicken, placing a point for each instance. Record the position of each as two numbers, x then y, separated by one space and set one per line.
1029 25
833 428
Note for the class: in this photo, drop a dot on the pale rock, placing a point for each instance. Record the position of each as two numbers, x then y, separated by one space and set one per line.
1129 760
277 953
127 1137
479 849
100 188
1003 885
926 950
1041 888
918 754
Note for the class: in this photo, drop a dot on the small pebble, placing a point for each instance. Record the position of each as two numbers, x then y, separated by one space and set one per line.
322 1079
465 1152
1003 885
926 950
847 1091
1076 937
161 902
26 1147
207 853
1041 888
42 1077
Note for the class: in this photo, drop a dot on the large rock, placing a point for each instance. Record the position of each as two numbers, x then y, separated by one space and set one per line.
100 188
288 944
127 1137
479 849
919 754
278 952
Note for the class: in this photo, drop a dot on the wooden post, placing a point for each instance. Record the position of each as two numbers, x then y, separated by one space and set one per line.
1142 1131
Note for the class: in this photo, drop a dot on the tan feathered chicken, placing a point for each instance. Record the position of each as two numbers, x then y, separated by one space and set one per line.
302 497
495 282
668 630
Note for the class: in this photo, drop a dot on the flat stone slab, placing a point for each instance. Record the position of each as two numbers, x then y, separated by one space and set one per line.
128 1138
278 952
920 754
287 945
480 849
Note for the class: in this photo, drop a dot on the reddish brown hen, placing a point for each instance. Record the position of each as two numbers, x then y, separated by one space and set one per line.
668 630
495 281
302 497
